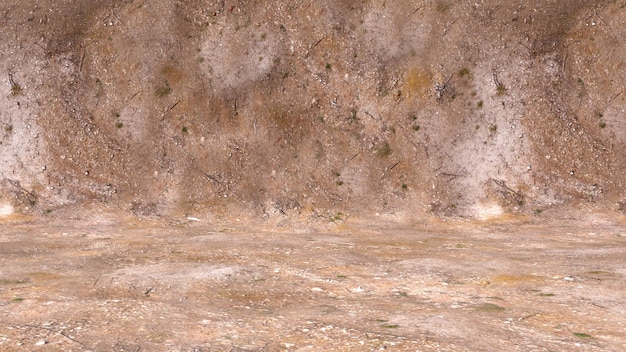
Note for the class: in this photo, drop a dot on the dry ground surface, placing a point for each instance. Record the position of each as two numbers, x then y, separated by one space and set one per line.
123 284
123 122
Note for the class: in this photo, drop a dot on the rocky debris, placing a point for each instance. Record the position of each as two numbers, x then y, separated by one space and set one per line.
16 195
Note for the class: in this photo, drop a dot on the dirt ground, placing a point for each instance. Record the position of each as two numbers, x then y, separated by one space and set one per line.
221 175
199 284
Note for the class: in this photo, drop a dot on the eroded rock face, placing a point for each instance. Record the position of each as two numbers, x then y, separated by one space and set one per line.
404 107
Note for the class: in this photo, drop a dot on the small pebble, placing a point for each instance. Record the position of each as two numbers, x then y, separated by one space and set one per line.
357 289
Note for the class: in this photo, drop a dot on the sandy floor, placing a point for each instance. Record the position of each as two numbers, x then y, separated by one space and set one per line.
133 285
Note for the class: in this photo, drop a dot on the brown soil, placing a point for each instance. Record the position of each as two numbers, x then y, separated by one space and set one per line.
407 175
120 284
452 108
